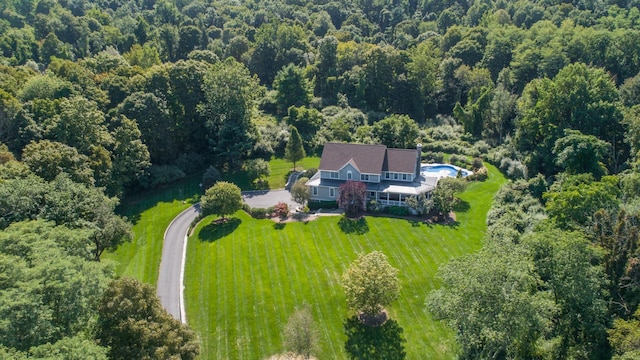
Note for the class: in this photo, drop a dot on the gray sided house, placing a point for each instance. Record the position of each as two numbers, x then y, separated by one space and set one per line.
391 175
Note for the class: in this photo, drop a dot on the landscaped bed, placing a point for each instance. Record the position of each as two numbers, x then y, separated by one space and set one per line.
245 277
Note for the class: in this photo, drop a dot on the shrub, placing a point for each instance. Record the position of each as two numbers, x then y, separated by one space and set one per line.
397 210
476 163
315 205
373 206
281 210
433 157
246 208
256 168
479 175
309 173
481 147
259 213
514 169
459 160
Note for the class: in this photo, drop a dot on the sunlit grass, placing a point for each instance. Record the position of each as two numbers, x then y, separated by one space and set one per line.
244 278
151 213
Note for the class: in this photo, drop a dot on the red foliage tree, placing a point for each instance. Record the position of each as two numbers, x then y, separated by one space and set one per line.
281 210
352 197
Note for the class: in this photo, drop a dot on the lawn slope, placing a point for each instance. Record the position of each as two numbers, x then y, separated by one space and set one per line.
152 212
245 278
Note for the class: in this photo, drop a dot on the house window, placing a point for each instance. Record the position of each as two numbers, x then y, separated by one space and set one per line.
334 175
386 175
332 192
315 190
404 177
395 176
364 177
349 175
372 194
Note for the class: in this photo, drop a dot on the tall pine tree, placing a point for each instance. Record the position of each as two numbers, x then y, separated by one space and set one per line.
294 150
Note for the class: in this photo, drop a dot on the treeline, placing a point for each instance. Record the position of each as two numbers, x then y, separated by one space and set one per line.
145 79
103 98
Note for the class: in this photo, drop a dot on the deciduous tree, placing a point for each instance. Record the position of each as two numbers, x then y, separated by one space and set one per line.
352 196
489 298
133 324
577 153
444 196
300 191
396 131
256 169
292 88
47 159
300 333
370 284
230 93
221 199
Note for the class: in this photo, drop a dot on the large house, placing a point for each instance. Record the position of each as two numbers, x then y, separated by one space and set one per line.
391 175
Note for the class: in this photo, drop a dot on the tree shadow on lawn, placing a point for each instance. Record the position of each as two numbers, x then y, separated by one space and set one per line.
218 229
461 206
353 226
374 342
279 226
132 205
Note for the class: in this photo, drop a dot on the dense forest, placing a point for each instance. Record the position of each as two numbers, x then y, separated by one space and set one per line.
106 98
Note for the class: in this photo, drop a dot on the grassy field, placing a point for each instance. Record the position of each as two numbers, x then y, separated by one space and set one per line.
245 278
280 170
152 212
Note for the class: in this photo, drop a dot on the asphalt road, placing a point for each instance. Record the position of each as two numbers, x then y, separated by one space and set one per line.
172 264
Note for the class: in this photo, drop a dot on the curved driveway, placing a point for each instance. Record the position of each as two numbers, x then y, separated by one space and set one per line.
172 264
171 274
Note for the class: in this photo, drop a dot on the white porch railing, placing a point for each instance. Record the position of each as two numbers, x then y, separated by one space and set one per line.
391 202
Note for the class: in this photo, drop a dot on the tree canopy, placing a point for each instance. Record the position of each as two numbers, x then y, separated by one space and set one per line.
370 283
221 199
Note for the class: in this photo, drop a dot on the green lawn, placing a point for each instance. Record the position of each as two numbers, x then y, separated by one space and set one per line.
245 278
280 170
152 212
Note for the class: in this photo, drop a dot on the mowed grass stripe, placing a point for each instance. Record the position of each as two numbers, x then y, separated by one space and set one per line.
278 270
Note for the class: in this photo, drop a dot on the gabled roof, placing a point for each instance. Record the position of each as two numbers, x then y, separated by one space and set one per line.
401 160
368 159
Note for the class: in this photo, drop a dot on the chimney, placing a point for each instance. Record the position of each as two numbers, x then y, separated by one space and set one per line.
419 159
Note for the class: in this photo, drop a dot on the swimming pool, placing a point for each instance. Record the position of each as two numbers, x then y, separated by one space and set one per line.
443 170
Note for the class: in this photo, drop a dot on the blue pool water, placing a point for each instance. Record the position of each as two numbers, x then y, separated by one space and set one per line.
449 169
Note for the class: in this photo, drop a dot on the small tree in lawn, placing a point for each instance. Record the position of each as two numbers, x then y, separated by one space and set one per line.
300 333
444 196
221 199
300 191
352 197
294 151
370 284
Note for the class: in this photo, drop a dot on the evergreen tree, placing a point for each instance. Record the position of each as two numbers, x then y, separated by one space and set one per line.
294 151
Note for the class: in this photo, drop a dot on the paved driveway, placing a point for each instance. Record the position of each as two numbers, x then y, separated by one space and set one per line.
265 199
